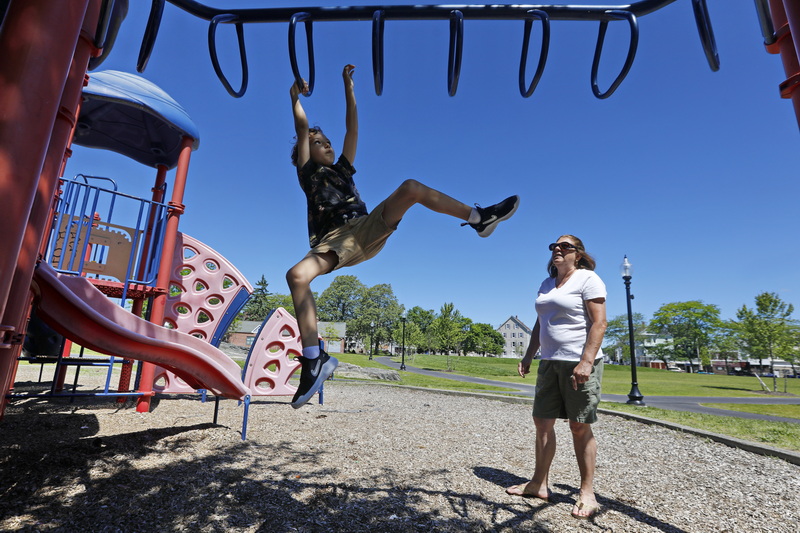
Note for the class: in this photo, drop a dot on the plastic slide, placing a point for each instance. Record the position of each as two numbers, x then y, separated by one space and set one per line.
75 308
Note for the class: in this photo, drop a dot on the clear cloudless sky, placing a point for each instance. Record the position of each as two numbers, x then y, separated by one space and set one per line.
691 173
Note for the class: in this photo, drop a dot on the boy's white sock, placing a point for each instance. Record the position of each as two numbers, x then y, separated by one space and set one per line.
311 352
474 216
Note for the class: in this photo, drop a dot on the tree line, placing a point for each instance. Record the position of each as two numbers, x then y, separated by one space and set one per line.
375 318
694 331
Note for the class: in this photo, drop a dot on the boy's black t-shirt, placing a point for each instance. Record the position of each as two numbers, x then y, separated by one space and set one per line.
331 196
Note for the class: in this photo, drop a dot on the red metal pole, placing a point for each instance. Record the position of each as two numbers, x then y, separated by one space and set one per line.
38 40
786 21
165 267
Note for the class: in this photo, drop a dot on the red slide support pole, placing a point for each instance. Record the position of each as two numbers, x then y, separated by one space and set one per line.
164 268
38 39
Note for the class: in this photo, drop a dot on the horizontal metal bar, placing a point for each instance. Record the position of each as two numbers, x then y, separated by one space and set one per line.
419 12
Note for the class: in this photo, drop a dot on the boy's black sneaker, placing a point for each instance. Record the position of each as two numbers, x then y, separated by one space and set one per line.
494 214
313 373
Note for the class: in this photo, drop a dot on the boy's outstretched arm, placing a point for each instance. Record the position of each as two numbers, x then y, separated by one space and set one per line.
351 117
300 124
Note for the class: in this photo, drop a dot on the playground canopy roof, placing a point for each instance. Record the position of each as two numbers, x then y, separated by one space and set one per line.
128 114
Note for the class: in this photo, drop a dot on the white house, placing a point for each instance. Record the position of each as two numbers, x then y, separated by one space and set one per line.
516 337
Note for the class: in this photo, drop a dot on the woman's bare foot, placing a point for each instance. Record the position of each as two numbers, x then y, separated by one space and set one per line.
527 491
585 507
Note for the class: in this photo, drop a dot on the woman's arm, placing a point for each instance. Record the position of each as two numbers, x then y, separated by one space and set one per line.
524 366
596 309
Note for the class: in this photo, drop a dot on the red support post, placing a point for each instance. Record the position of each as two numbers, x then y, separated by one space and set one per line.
165 267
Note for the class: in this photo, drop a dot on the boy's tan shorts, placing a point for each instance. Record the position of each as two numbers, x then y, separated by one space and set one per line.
555 397
357 240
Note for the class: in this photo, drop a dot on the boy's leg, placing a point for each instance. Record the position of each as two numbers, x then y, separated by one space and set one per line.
316 365
299 279
413 192
482 220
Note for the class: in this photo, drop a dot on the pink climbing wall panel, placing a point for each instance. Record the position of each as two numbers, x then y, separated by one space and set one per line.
202 287
271 362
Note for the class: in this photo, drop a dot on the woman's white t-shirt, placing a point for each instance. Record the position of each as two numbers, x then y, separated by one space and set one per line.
563 321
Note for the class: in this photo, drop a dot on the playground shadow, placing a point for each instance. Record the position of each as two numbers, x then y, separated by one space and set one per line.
569 495
93 483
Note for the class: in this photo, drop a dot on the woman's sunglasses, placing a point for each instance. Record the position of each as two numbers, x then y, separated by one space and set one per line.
566 246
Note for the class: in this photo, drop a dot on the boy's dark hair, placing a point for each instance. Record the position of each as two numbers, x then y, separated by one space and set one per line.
311 131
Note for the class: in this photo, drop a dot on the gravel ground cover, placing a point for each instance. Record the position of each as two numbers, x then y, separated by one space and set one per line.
373 458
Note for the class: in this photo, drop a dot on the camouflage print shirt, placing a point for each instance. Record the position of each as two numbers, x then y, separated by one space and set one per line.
331 195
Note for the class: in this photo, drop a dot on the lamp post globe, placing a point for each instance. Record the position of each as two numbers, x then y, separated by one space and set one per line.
634 396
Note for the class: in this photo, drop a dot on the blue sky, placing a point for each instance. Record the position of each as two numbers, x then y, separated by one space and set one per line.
689 172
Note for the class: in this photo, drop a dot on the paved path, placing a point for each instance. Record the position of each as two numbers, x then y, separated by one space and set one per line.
675 403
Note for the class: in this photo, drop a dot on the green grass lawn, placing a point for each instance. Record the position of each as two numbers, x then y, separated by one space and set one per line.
417 380
617 380
785 411
784 435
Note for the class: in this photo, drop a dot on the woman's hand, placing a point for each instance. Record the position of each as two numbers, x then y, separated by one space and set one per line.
524 366
581 373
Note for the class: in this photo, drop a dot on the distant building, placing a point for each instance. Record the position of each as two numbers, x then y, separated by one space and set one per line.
333 335
516 337
245 334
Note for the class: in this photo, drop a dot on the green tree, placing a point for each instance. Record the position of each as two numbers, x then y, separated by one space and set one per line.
258 306
726 342
690 324
617 334
790 352
483 339
423 318
276 300
340 301
376 314
262 302
450 329
413 335
766 329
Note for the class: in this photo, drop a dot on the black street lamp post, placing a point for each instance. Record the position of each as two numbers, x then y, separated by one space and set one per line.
634 396
371 338
403 360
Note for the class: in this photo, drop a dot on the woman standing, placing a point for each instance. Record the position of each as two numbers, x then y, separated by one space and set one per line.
571 309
